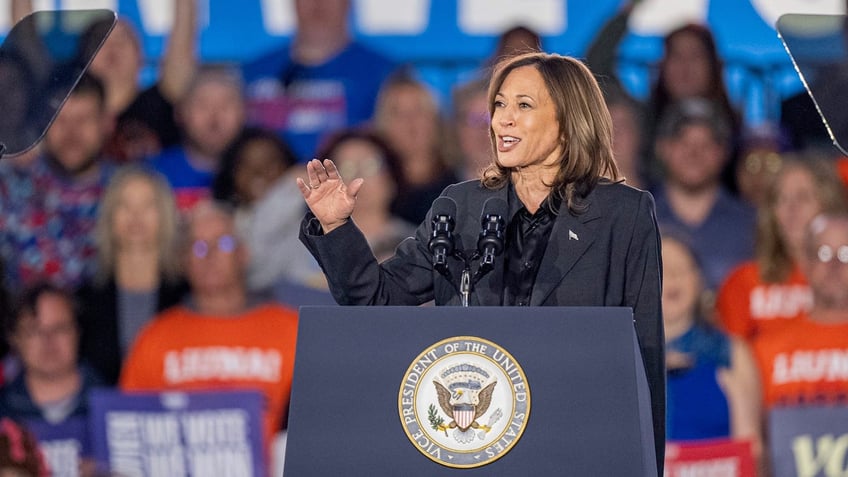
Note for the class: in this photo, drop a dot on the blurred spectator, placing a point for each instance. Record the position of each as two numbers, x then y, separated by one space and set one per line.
760 160
471 130
257 179
51 387
626 114
803 363
321 82
364 154
219 339
693 143
514 41
138 270
408 117
764 294
713 386
602 52
211 115
20 455
49 209
690 68
144 117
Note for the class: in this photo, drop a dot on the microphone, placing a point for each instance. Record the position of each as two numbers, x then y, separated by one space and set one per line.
441 238
491 241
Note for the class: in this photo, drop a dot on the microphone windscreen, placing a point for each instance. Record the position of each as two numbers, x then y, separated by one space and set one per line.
495 206
444 206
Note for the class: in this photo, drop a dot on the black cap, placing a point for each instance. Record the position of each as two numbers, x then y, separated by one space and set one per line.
694 111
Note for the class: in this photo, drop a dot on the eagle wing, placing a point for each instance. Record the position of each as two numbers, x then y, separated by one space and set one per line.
484 399
444 398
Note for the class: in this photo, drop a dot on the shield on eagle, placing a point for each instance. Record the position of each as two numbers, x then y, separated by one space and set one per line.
465 393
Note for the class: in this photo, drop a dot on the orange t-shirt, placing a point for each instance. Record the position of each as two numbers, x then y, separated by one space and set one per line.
748 307
804 363
182 350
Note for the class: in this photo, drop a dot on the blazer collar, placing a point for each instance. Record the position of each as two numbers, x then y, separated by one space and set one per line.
570 238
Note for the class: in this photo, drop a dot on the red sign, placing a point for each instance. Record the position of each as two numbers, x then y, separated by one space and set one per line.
713 458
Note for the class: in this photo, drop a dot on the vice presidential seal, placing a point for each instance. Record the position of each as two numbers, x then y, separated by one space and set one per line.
464 402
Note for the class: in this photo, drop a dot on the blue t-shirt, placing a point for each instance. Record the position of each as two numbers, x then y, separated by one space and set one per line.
696 405
306 103
173 163
721 242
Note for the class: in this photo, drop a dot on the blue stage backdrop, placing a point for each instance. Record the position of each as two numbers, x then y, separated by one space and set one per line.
446 39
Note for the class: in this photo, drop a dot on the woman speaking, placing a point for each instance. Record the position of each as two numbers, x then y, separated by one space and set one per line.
572 233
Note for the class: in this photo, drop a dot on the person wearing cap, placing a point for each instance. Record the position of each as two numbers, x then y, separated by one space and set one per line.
693 145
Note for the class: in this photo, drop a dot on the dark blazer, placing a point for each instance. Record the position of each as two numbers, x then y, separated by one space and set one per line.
608 255
100 345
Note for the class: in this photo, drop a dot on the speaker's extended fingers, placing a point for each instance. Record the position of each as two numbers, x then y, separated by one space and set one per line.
312 172
320 171
332 170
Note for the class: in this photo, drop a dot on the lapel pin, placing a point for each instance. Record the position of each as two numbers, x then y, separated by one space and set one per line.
572 235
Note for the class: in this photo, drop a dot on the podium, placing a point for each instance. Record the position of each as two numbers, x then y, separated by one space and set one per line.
586 410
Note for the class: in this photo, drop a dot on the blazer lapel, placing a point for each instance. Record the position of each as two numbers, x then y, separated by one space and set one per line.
570 238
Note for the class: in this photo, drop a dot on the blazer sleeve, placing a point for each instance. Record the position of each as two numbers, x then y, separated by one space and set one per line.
355 277
644 292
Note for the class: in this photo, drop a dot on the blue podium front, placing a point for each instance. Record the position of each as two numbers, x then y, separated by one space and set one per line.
440 391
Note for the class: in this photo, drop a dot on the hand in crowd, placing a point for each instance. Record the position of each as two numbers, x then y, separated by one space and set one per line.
327 195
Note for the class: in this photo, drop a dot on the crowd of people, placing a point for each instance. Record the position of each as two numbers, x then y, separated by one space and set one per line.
145 213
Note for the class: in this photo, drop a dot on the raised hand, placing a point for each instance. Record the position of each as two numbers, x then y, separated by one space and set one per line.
327 195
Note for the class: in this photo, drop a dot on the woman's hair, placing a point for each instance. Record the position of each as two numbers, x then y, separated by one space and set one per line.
660 96
167 240
223 187
772 252
585 126
402 77
19 450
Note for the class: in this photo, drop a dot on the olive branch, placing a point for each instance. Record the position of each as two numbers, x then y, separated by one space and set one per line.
436 421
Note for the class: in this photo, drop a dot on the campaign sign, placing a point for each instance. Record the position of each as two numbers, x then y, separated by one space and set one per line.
64 445
712 458
809 441
178 434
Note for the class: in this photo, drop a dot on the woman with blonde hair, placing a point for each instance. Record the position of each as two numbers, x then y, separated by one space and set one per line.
765 293
138 271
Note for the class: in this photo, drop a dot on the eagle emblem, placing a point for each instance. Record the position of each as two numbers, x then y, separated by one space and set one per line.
465 393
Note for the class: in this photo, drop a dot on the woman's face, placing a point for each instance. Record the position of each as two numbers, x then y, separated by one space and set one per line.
410 120
795 205
472 129
258 166
693 158
681 283
136 220
525 122
119 59
686 67
360 158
